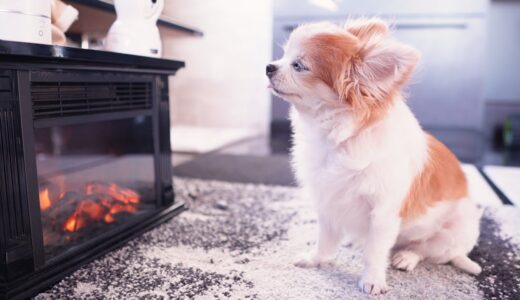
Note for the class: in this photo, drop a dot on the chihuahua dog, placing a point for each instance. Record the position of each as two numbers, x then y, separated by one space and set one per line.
359 152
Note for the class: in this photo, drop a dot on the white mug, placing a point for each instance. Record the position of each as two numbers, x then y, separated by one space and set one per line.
26 21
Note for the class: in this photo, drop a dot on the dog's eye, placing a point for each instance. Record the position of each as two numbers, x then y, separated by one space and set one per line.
298 66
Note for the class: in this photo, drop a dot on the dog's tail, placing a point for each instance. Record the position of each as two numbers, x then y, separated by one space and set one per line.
466 264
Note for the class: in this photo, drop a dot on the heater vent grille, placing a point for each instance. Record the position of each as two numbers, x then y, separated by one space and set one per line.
12 203
59 99
6 88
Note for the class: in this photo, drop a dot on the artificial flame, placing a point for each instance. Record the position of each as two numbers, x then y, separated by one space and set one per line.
71 223
45 200
100 202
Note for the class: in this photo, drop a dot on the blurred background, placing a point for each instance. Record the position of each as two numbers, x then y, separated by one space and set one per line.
466 90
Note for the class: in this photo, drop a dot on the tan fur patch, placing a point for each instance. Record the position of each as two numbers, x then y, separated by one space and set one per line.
329 54
442 179
333 56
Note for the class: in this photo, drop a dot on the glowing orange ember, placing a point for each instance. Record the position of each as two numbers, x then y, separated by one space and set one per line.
117 208
108 218
97 202
91 209
118 193
123 194
45 200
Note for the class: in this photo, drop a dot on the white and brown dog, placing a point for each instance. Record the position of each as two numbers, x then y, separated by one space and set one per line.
359 152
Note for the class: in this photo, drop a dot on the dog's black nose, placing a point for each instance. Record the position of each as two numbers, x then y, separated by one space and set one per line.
270 70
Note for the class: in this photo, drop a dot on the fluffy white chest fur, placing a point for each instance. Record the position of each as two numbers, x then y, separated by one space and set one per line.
349 178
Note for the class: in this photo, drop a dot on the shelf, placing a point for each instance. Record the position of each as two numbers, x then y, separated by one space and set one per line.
163 21
17 52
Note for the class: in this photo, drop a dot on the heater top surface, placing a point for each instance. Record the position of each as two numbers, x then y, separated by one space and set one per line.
39 53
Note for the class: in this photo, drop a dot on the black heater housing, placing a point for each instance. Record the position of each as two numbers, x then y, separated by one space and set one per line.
44 86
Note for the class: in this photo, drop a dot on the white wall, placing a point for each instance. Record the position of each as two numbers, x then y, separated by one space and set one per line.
503 58
223 84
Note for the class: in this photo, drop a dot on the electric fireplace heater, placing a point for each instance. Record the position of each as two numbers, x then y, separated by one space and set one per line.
85 159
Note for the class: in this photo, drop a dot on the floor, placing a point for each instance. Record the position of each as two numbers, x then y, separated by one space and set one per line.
258 146
192 139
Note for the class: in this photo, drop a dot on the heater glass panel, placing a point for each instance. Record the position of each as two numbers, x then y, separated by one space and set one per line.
93 178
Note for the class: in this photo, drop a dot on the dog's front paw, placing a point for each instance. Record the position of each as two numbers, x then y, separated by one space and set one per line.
311 261
372 287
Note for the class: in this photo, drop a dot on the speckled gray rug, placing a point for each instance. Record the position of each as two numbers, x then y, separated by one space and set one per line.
238 241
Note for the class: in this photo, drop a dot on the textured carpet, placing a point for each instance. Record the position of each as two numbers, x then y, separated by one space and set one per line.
238 241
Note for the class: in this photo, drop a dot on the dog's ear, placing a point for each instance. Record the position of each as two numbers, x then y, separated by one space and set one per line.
375 74
365 28
382 66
